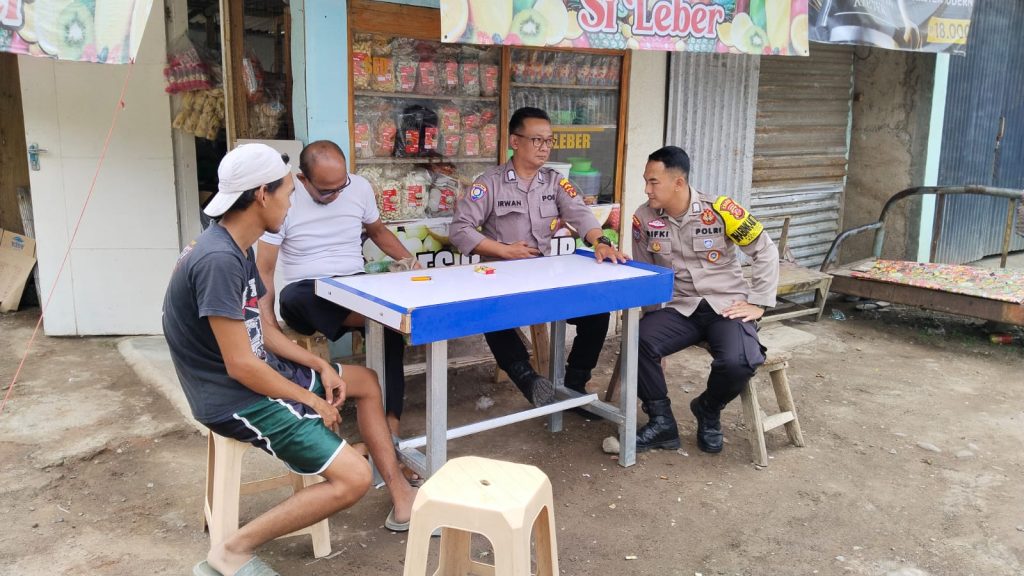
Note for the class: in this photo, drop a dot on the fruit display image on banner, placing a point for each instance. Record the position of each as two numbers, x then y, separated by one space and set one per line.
102 31
912 25
721 26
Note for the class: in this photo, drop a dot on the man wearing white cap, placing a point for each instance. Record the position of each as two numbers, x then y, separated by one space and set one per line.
245 380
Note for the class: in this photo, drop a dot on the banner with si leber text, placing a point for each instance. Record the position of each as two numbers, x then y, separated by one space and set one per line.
715 26
103 31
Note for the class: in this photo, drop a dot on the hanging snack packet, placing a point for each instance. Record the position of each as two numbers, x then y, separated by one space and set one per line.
489 140
471 144
450 144
415 191
489 76
470 75
383 77
362 62
384 135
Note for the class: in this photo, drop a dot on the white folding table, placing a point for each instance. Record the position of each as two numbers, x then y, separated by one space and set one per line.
459 301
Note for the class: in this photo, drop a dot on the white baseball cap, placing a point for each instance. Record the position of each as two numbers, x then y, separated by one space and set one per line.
244 168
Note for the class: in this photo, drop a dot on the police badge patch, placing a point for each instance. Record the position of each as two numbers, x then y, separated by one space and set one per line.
568 187
477 192
708 217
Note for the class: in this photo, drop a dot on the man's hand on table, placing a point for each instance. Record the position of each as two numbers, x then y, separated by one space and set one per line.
743 311
603 252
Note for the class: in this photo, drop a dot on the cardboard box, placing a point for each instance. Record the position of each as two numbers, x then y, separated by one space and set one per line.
17 258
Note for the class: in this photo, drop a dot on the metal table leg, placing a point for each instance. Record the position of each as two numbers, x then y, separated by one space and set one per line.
627 386
556 369
437 406
375 353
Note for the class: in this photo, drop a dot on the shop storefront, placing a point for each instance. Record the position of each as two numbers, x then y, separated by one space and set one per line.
427 118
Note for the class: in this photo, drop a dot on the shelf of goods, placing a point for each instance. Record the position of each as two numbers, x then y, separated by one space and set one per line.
428 118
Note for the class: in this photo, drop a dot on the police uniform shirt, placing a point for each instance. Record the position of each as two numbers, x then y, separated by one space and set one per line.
699 247
509 210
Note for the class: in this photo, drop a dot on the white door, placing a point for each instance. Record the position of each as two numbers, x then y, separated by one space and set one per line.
114 280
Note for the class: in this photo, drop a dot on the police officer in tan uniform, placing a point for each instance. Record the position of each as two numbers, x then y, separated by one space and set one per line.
512 212
696 236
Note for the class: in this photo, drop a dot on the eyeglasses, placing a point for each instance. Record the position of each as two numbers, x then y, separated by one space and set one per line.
537 141
326 193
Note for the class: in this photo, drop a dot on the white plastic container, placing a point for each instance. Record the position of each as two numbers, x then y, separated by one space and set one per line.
562 168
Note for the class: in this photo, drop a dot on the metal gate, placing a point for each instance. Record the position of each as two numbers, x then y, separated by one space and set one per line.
983 134
801 147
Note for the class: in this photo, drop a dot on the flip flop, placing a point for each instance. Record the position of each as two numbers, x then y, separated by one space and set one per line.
394 525
254 567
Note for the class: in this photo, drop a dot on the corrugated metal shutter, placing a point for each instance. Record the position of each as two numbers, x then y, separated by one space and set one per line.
801 147
984 86
711 103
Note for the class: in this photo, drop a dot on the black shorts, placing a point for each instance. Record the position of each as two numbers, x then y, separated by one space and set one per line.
306 313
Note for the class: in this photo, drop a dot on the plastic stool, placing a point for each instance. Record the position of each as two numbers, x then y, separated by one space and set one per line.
502 501
224 487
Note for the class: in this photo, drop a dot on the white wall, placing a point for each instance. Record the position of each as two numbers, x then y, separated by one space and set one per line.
646 129
128 242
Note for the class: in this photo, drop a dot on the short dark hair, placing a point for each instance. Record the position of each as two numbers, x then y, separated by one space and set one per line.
673 157
518 119
312 153
249 196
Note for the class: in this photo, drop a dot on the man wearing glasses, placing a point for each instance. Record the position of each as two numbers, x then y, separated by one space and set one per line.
321 236
512 212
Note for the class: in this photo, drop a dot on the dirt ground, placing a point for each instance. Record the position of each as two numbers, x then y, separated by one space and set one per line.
914 426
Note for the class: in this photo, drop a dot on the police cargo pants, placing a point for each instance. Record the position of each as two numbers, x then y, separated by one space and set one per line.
508 348
735 350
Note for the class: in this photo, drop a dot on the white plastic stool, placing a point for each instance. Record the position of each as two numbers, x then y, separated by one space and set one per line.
502 501
224 487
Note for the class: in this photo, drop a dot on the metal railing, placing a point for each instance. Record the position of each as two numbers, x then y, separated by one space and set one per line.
1010 194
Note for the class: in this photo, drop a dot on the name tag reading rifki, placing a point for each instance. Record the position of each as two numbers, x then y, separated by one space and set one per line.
562 245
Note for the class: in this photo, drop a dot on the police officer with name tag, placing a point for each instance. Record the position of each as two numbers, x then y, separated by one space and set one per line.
512 212
697 236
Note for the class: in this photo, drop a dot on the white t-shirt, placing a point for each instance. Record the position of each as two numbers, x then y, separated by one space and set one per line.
319 240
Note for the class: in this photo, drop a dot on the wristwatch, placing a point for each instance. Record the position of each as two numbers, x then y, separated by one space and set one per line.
604 240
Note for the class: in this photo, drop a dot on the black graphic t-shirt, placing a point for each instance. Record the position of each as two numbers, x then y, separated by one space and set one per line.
213 277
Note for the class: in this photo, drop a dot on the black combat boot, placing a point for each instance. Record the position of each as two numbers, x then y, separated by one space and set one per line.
576 380
537 389
660 430
709 425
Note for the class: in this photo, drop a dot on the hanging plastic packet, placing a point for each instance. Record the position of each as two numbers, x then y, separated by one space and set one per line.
443 194
469 73
406 64
489 140
383 77
362 61
415 189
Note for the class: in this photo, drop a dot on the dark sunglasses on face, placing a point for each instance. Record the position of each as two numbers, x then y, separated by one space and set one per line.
326 193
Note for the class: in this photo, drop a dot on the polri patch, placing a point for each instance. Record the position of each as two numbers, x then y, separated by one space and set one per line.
636 223
708 242
713 256
510 176
695 208
477 192
568 187
708 217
